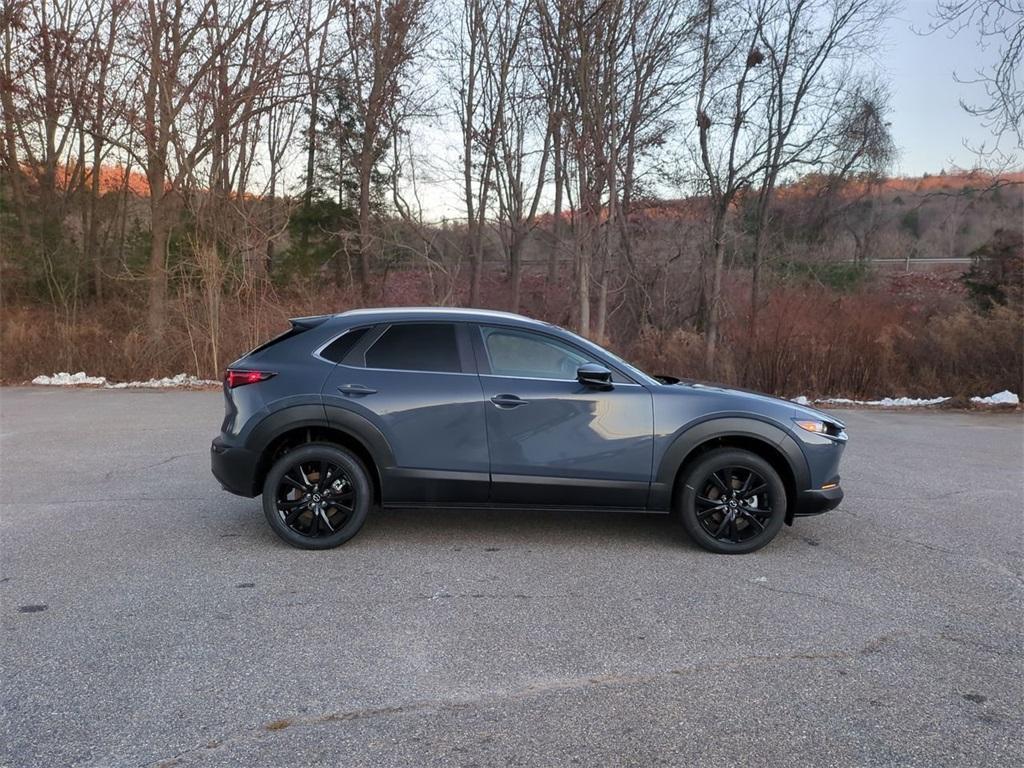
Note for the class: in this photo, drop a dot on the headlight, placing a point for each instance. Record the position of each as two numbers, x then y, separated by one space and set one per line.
828 428
818 427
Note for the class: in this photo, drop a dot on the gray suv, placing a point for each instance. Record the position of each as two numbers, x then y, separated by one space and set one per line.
449 407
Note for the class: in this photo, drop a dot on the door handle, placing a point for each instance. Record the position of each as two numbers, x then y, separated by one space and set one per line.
508 401
356 389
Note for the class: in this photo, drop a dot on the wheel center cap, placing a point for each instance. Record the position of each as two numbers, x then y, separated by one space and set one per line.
316 497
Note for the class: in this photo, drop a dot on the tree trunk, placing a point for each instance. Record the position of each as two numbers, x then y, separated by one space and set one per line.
157 309
10 142
476 264
309 182
583 261
557 229
758 258
601 326
365 233
271 215
714 291
515 257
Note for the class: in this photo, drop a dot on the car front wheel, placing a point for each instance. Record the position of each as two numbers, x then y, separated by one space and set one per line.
731 501
316 496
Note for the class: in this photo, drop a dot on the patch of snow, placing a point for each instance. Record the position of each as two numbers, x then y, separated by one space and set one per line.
887 402
65 379
181 380
1006 397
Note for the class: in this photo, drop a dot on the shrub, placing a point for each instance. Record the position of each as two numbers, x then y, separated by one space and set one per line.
809 339
839 276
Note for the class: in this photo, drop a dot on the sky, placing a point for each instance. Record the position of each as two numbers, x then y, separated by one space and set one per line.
928 123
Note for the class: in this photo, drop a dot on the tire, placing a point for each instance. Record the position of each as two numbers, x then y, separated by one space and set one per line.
731 484
306 515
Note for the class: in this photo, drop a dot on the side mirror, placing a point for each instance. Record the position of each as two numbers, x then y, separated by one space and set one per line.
594 375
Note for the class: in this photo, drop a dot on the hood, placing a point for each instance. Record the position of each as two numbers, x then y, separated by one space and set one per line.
746 398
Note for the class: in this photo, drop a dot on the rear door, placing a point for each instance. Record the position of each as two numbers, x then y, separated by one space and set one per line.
552 440
417 383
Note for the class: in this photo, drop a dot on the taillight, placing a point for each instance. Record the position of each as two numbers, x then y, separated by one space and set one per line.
241 378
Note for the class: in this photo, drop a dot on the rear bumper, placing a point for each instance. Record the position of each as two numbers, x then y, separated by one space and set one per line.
234 468
814 502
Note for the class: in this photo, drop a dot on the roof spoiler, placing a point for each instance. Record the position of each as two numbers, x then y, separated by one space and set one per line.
305 323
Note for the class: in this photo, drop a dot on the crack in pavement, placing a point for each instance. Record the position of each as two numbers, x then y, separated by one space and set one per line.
992 564
819 598
442 595
160 463
872 646
105 500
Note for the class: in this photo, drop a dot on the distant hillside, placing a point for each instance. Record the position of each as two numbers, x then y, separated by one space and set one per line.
943 216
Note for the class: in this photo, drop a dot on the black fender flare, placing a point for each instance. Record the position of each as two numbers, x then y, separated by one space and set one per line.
331 417
363 430
714 427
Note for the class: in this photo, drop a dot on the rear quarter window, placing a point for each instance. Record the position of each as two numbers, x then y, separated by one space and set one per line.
337 349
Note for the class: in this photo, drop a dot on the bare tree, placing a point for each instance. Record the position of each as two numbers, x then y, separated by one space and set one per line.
180 48
732 84
45 46
102 113
282 123
808 48
521 133
477 128
998 23
619 67
859 150
317 20
656 79
384 37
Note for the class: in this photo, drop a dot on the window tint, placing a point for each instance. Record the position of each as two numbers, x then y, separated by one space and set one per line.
337 349
416 347
515 353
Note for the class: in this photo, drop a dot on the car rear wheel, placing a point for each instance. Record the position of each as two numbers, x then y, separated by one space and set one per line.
316 496
731 501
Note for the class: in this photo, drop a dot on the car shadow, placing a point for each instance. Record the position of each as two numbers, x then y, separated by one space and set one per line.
242 522
475 527
498 527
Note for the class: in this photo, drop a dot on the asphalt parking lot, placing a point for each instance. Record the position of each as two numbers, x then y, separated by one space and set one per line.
148 618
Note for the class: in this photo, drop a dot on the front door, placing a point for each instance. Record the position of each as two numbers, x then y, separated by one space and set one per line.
552 440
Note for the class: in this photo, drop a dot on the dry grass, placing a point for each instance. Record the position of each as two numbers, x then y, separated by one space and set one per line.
809 340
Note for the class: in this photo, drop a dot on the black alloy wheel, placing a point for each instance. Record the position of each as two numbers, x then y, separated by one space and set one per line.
733 504
732 501
316 496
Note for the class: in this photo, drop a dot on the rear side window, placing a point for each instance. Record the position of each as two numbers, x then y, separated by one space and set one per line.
416 347
337 349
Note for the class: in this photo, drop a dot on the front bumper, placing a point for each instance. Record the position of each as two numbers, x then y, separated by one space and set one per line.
234 468
816 501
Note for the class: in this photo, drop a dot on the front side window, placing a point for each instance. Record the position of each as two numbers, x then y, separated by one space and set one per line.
530 355
416 347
